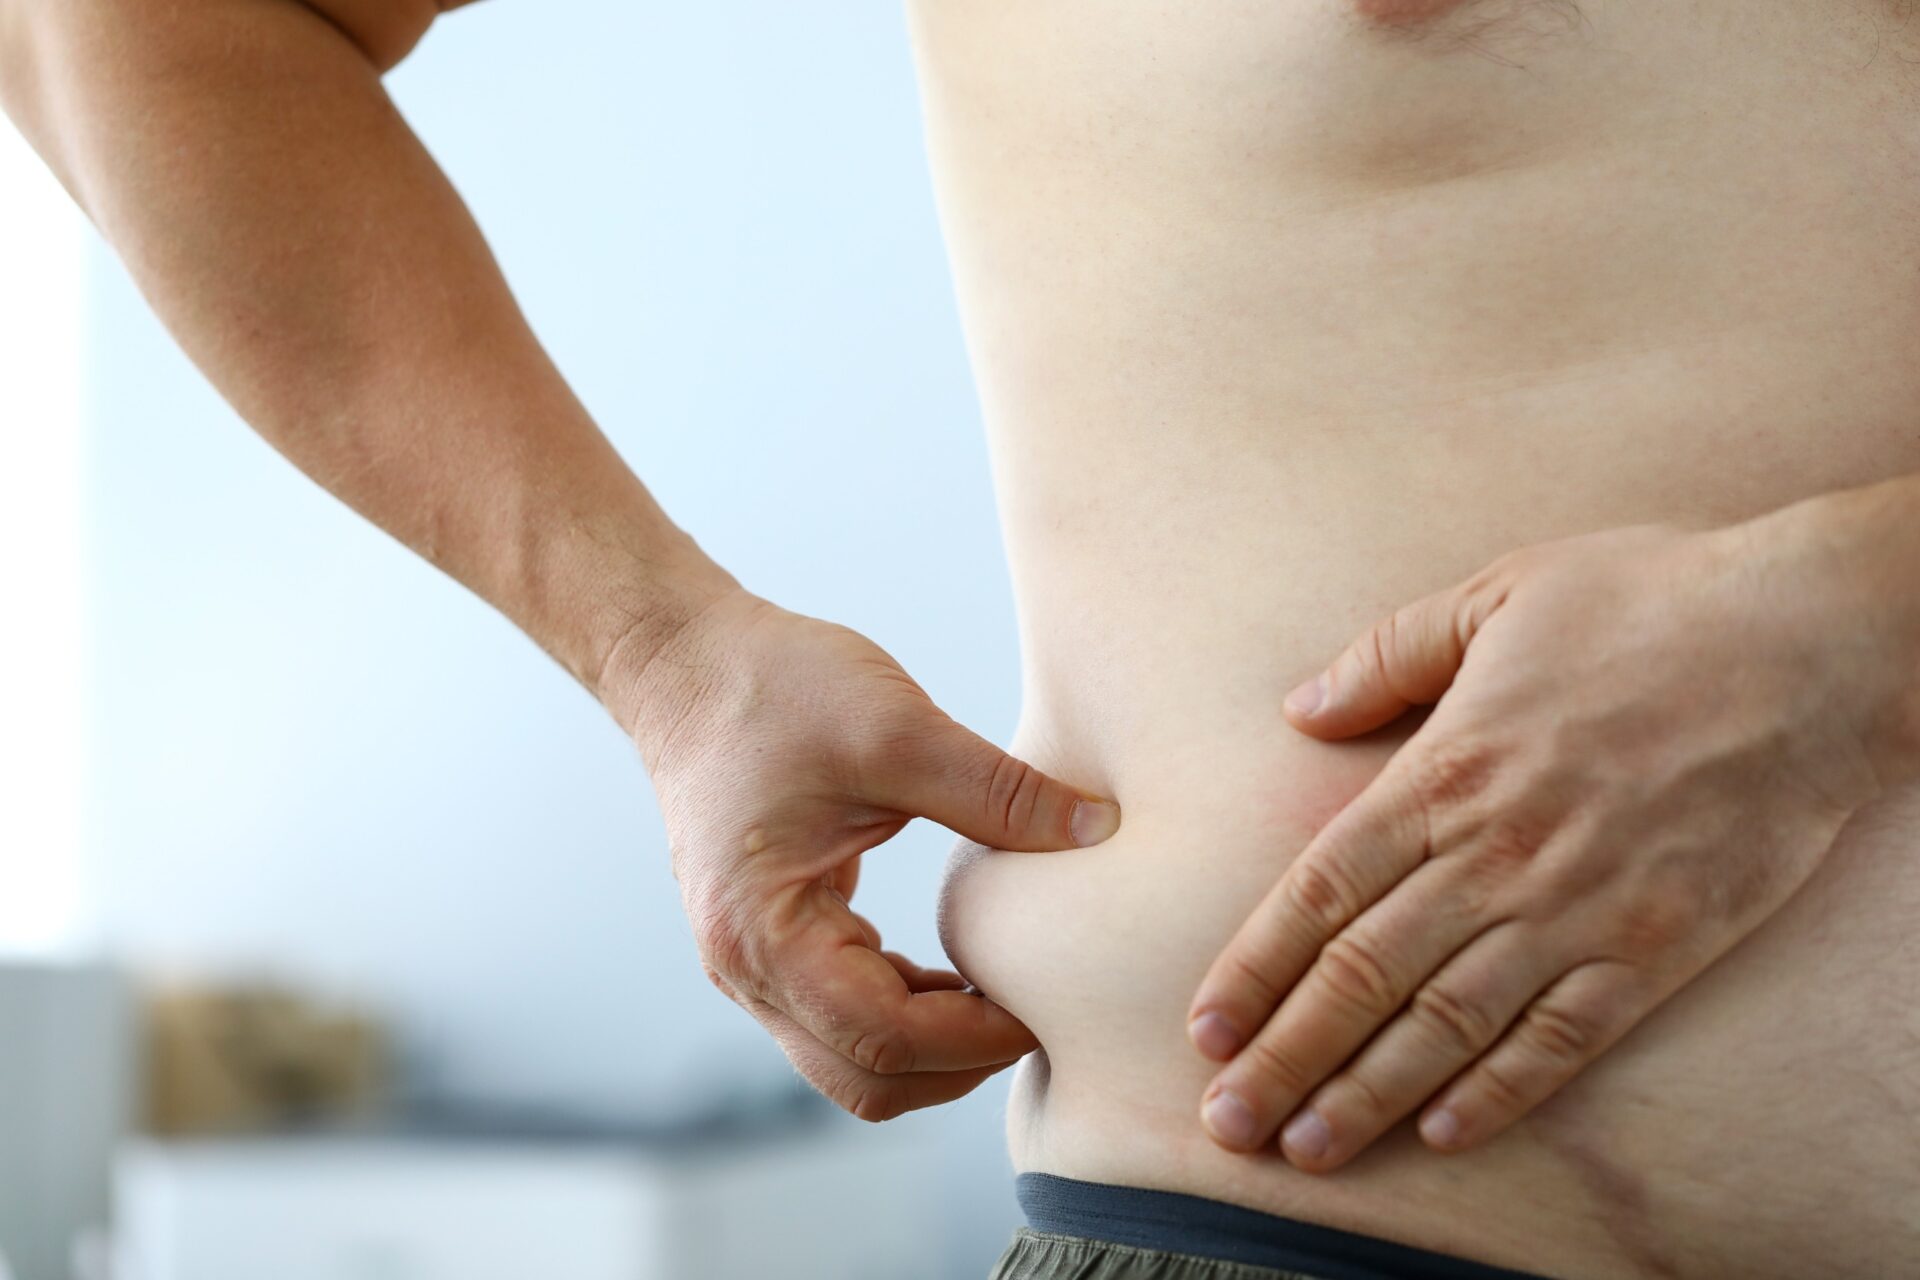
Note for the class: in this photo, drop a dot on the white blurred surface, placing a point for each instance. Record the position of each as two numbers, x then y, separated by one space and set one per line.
43 908
848 1207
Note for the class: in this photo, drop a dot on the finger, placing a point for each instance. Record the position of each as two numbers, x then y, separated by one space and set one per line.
846 876
821 973
835 883
1576 1020
865 1094
1450 1021
922 979
868 930
1407 658
1368 848
963 782
1355 986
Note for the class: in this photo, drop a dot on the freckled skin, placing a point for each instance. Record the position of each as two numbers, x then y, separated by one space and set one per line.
1405 12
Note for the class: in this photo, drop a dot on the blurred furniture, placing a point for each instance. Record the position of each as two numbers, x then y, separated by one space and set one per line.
237 1057
66 1098
838 1202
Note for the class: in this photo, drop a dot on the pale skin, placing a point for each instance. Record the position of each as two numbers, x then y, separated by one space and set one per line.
447 425
1645 741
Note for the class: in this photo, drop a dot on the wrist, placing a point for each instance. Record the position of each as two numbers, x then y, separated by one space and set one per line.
1849 556
641 615
567 543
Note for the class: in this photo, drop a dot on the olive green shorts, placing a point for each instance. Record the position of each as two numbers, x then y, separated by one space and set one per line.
1040 1255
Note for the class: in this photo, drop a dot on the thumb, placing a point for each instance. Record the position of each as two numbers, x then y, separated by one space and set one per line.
1406 659
974 789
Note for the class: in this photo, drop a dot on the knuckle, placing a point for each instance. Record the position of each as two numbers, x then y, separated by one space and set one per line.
884 1051
873 1101
1364 1096
1562 1035
1661 921
1477 891
1247 980
1453 771
1321 894
1510 842
725 948
1377 653
1352 970
1274 1068
1456 1021
1734 892
1382 641
1495 573
1500 1087
1013 792
1485 591
722 948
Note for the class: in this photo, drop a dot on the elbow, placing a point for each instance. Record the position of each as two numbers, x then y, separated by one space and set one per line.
55 54
386 31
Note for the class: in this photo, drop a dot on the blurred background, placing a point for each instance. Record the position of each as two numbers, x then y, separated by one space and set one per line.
337 935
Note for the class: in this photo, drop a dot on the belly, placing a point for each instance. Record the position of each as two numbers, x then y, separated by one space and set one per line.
1289 316
1763 1122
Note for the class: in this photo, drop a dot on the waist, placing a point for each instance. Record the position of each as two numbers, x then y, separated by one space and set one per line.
1084 1228
1725 1104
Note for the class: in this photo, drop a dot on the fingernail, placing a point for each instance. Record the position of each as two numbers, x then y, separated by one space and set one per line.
1307 1135
1440 1128
1229 1119
1214 1036
1093 821
1306 699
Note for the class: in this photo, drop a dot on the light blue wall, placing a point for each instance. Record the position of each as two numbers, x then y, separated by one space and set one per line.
318 756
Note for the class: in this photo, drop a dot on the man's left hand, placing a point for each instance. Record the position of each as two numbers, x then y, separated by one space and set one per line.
1649 739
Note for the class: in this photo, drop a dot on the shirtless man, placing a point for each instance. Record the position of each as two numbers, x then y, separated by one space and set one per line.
1555 358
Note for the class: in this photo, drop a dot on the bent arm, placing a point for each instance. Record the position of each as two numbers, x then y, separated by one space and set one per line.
297 240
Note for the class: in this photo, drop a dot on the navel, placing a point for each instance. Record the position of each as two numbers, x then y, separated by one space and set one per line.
1405 13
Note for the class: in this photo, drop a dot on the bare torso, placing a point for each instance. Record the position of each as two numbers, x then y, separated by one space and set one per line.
1284 315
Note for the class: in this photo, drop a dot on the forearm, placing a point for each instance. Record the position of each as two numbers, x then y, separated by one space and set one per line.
1861 548
300 244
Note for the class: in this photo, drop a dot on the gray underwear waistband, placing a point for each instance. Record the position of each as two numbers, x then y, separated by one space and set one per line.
1176 1223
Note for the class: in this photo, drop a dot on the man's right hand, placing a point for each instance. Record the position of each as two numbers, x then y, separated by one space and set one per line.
782 748
245 161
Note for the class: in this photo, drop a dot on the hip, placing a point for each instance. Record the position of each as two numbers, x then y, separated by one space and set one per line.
1096 1231
1764 1121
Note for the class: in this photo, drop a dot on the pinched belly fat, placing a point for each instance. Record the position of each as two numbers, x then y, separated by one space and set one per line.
1764 1122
